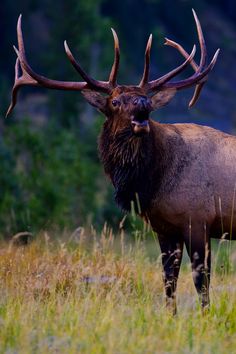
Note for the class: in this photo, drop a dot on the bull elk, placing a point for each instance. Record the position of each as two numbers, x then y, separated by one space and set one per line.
183 174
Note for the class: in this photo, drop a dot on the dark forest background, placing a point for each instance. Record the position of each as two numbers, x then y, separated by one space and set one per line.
50 175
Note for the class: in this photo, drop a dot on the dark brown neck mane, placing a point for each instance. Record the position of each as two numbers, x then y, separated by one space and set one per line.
137 166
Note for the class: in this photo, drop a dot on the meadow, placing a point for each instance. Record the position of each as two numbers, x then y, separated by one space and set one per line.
90 292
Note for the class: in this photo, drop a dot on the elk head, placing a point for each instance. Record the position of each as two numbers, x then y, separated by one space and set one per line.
125 106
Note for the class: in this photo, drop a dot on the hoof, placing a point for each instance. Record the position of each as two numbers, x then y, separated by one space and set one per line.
171 306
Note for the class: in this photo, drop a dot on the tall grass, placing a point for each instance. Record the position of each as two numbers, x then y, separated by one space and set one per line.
90 293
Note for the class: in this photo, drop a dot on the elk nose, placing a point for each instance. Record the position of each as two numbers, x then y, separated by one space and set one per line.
142 102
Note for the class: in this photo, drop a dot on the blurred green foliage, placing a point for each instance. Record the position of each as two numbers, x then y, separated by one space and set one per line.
50 178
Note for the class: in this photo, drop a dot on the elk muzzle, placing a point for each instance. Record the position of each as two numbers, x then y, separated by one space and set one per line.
140 116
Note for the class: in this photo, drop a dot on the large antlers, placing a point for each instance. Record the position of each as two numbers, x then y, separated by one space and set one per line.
201 71
30 77
198 79
195 67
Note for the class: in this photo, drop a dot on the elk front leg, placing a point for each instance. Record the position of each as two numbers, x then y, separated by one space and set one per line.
198 247
172 251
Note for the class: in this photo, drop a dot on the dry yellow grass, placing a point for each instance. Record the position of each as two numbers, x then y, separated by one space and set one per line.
100 295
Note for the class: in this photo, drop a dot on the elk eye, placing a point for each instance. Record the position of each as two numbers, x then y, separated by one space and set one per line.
115 103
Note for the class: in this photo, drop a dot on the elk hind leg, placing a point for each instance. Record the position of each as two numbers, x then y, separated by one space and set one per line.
199 251
172 251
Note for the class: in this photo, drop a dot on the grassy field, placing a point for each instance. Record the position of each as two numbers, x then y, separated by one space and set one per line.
100 294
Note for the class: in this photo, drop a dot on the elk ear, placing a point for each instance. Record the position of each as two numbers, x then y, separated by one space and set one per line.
161 98
96 100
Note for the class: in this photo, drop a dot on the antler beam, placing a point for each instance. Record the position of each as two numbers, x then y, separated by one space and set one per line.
198 79
195 67
30 77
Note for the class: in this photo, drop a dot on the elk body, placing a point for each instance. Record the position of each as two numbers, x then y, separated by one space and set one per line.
183 174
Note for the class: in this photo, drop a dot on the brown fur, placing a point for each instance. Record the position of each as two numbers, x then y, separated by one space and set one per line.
184 176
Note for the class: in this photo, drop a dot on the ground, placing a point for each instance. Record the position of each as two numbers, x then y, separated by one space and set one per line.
100 293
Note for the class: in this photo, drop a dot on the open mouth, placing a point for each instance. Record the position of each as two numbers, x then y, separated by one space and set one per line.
144 123
140 123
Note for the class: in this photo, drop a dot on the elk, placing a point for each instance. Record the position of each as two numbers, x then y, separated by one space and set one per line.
183 174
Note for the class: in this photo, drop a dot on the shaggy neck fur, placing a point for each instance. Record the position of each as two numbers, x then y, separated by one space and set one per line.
136 165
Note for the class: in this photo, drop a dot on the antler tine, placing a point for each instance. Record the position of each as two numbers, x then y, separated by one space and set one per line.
145 77
203 60
30 77
19 81
15 89
195 67
20 40
182 51
201 40
41 80
115 66
200 76
194 79
100 85
197 92
94 84
155 84
54 83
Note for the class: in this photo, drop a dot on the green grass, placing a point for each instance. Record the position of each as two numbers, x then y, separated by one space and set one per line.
101 294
